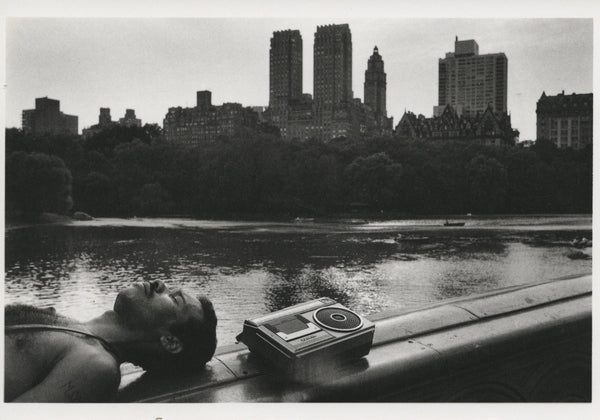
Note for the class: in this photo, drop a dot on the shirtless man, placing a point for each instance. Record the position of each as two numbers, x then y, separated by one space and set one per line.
49 357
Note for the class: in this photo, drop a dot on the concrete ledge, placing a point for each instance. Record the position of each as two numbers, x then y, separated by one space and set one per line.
527 343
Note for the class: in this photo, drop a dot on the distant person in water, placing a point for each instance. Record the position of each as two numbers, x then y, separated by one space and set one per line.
49 357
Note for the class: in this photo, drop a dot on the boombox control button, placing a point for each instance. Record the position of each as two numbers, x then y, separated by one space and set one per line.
311 339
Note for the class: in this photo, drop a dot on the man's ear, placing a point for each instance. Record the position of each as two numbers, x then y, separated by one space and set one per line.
171 343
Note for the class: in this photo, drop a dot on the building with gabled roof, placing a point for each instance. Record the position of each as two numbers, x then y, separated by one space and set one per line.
486 127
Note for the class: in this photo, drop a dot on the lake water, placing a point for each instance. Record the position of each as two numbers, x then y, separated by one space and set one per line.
251 268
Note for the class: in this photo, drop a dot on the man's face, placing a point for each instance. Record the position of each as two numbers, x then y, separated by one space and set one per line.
153 306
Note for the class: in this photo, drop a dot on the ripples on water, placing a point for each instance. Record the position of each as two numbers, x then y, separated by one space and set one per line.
250 268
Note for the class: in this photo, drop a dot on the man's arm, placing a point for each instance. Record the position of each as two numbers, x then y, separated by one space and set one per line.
81 377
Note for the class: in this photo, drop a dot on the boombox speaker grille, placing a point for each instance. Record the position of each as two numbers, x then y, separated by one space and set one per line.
337 319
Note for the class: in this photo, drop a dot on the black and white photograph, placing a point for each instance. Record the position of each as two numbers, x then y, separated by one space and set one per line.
253 210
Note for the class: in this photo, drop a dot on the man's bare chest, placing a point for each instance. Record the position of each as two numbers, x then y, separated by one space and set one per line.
27 360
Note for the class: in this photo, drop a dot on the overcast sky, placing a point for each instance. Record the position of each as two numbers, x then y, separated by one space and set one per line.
151 64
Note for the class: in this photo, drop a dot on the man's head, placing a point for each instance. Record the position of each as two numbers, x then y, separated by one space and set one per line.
178 329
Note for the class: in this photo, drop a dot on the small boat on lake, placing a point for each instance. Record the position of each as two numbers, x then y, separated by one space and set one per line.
453 223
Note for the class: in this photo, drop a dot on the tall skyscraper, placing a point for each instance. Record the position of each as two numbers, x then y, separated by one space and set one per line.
332 78
375 85
471 82
332 111
285 72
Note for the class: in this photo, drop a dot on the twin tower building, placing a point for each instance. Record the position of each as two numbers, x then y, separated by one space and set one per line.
332 111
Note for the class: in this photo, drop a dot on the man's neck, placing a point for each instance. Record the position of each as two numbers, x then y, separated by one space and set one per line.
111 328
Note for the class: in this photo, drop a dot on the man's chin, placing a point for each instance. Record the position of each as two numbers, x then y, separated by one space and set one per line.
121 304
126 306
124 302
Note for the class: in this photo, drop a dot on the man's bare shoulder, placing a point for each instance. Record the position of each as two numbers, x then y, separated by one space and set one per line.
96 358
84 373
97 371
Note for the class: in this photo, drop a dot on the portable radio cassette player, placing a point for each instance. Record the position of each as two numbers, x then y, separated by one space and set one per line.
306 336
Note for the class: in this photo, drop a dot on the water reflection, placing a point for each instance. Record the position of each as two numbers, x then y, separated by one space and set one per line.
460 282
249 269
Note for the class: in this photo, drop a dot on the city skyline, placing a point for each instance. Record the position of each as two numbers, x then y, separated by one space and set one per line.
152 64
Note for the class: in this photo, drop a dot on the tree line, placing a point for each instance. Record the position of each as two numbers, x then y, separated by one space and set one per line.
127 171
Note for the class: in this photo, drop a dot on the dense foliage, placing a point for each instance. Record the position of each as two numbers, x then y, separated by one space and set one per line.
36 182
132 171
